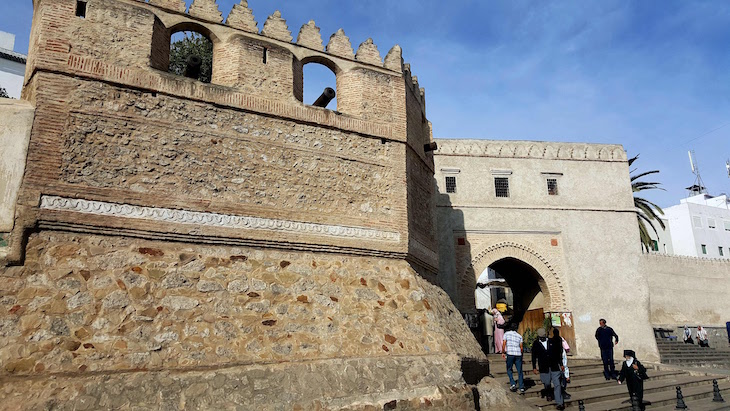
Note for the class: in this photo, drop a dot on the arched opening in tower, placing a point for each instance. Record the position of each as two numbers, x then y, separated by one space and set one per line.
317 79
191 55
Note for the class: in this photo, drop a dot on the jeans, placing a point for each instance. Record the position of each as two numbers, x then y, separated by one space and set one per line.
609 368
517 361
552 378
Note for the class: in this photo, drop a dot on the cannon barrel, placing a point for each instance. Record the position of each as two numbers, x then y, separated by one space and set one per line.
327 95
192 67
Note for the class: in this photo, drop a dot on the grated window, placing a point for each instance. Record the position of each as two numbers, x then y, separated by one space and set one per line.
552 186
81 9
501 187
450 184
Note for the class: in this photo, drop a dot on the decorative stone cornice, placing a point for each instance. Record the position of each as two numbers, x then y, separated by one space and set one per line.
531 149
169 215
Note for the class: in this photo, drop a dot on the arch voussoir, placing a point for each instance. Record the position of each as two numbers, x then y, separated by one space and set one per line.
554 289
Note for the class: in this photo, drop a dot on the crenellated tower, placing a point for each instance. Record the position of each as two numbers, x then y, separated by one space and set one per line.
169 232
126 44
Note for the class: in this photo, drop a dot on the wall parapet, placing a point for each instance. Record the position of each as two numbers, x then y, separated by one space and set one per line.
532 149
706 260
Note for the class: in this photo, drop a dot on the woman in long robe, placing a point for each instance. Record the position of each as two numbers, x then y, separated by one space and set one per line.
634 373
498 331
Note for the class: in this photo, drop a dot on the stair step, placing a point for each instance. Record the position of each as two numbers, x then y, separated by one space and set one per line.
701 404
619 392
665 398
578 373
533 384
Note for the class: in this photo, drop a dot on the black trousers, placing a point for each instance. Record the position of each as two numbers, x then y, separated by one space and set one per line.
609 368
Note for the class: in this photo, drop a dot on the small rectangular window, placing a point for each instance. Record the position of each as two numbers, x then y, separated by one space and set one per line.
81 9
450 184
727 225
704 249
721 252
711 223
665 249
654 245
552 186
266 55
501 187
697 221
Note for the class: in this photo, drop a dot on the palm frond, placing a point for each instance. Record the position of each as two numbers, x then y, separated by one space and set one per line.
644 174
646 211
649 203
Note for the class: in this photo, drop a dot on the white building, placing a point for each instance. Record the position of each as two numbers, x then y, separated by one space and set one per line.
698 227
662 243
12 66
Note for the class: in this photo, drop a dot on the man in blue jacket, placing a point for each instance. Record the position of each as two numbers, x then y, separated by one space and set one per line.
605 335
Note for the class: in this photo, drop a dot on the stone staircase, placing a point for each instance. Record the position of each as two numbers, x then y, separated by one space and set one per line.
589 385
692 355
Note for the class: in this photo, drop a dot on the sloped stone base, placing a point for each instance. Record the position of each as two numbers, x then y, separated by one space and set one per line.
402 383
107 322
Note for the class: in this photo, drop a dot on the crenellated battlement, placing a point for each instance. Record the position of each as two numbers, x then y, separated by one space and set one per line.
265 60
242 18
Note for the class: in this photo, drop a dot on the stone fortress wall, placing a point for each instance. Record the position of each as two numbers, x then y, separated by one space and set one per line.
687 290
167 228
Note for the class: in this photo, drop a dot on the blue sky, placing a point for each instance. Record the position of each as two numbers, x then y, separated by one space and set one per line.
651 75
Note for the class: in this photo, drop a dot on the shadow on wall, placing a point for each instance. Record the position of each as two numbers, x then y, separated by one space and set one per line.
460 286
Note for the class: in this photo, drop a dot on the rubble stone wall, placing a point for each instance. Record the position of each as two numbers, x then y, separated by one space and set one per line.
86 305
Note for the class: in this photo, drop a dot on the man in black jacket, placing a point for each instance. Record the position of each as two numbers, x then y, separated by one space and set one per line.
547 358
605 335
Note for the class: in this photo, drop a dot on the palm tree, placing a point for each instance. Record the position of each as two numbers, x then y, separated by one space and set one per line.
646 211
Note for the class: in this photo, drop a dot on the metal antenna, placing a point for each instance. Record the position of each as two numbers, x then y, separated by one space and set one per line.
698 187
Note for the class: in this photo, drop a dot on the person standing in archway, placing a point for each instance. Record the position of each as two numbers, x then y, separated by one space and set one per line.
483 300
498 330
605 336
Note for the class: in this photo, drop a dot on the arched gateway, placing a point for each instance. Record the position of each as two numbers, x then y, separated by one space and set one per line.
514 255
